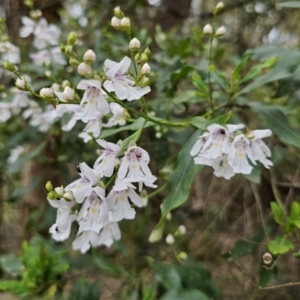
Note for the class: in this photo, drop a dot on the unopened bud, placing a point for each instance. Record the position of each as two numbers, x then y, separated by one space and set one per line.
68 93
221 31
147 51
145 69
69 50
144 58
182 255
72 38
62 48
169 216
219 6
182 229
144 82
158 135
55 87
267 258
66 83
46 92
73 62
84 70
89 56
137 57
68 196
144 197
49 186
134 45
125 23
170 239
21 84
51 195
59 191
48 73
35 14
115 22
118 12
9 66
207 29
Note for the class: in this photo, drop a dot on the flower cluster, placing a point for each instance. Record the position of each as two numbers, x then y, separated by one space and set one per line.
99 213
228 150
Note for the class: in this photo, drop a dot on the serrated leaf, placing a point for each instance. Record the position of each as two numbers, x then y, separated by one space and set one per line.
277 122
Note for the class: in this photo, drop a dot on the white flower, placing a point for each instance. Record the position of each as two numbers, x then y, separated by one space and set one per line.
109 233
91 130
83 187
222 168
260 150
93 214
216 143
10 52
93 102
134 166
119 82
60 231
118 117
237 157
5 112
28 27
207 29
46 56
105 163
14 154
118 202
84 240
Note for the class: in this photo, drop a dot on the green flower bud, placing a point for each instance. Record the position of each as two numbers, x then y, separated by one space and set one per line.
9 66
97 77
72 38
147 51
49 186
62 48
137 57
69 50
144 58
52 195
73 62
118 12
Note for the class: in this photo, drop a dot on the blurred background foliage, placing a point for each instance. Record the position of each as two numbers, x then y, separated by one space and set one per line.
229 224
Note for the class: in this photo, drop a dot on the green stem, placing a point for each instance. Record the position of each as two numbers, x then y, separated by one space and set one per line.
157 191
211 102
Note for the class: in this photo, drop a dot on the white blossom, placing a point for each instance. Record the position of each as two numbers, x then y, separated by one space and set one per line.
91 130
28 27
84 240
118 117
14 154
119 81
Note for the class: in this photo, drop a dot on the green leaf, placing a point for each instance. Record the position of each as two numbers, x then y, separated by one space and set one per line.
179 184
134 126
239 68
277 213
277 122
199 84
167 275
203 123
180 181
11 264
267 275
297 254
294 211
184 295
291 4
280 245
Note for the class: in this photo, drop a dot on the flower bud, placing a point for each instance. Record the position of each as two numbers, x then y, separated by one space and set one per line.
145 69
182 255
144 58
115 23
62 48
158 135
169 216
147 51
221 31
219 6
72 38
84 70
48 74
137 57
59 191
125 23
51 195
46 92
144 197
170 239
134 44
49 186
267 258
144 82
182 229
73 62
9 66
69 50
89 56
35 14
207 29
68 196
20 84
55 87
66 83
68 93
118 12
